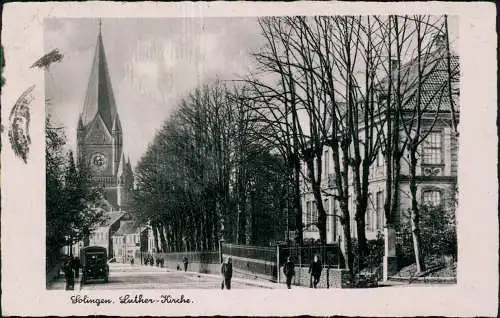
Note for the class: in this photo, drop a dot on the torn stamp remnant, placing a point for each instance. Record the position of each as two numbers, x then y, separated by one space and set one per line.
19 121
49 58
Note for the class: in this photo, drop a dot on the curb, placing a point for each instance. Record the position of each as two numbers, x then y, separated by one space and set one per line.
234 279
424 280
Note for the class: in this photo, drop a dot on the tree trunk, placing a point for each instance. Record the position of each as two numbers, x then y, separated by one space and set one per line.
396 179
214 230
163 241
154 227
360 213
346 226
361 206
321 212
297 203
315 179
388 186
204 230
248 219
414 212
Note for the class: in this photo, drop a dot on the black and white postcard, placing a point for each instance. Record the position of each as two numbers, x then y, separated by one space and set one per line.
240 158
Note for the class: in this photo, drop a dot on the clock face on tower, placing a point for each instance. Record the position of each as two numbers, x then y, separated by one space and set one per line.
98 161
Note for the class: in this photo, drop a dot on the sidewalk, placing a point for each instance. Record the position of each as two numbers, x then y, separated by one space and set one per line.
60 283
252 282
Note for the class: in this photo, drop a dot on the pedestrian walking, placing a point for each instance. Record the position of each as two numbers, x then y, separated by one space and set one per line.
315 271
132 261
77 264
69 274
289 270
227 273
186 262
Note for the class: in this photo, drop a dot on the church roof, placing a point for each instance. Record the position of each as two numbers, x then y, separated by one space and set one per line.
99 98
98 132
111 217
126 227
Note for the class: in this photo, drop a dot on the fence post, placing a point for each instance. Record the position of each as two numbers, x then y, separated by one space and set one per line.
278 263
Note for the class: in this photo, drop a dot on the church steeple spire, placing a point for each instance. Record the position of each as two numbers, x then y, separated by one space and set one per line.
99 98
99 133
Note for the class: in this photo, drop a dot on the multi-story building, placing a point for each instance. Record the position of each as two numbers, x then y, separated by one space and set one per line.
102 235
129 240
436 171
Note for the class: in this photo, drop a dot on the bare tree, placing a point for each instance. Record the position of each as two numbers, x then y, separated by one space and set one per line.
423 104
412 102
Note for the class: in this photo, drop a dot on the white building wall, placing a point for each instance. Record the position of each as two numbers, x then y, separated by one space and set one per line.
377 185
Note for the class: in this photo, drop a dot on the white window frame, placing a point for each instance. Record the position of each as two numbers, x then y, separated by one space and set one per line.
436 155
431 202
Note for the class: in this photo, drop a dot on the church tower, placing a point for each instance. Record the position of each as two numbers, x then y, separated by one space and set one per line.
100 135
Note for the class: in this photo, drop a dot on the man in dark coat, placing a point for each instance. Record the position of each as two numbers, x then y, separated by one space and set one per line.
77 264
186 262
227 273
289 270
315 271
69 274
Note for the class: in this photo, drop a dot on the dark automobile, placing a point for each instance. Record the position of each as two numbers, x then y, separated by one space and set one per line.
94 263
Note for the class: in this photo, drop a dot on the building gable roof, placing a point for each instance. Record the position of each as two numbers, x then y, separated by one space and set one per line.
126 227
97 133
434 78
111 218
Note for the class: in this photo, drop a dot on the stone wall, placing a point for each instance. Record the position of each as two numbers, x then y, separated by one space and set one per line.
330 277
193 267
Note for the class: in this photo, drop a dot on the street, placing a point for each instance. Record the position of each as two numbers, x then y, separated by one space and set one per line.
126 276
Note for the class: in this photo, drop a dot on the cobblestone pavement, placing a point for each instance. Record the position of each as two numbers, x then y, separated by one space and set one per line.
126 276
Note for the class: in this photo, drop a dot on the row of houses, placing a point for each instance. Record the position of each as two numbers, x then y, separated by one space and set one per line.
122 237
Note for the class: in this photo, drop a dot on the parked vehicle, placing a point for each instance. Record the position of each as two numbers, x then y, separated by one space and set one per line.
94 263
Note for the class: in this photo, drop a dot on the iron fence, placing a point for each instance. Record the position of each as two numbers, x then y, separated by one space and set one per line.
329 255
267 262
404 247
251 260
205 257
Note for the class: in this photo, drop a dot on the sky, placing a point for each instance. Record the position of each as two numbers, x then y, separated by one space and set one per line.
153 63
